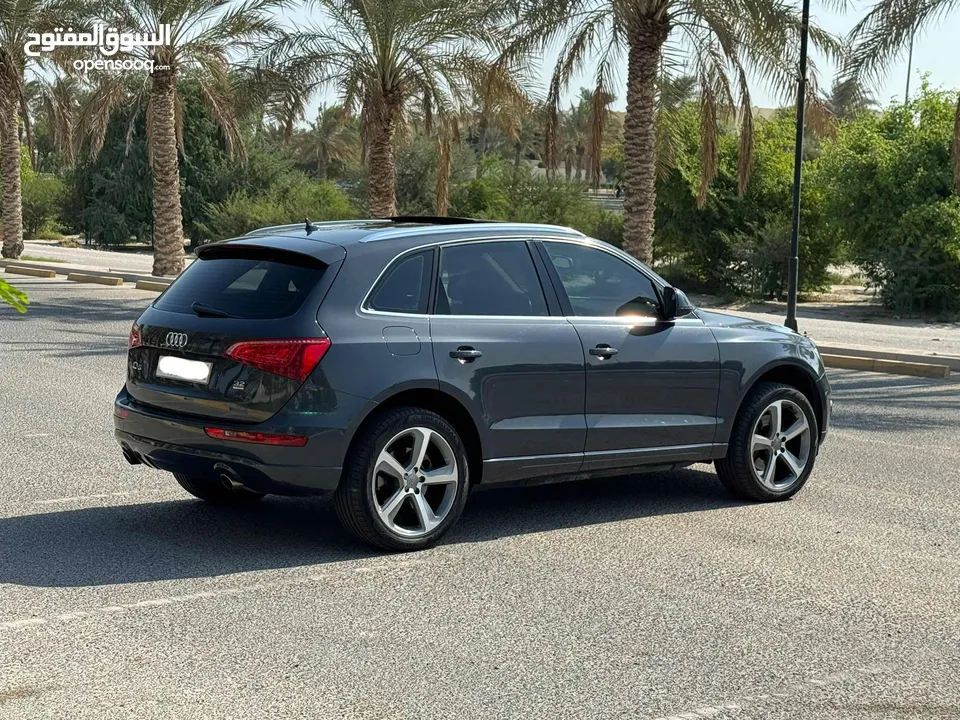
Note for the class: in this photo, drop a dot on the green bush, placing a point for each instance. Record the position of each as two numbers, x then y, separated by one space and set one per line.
242 212
517 194
739 245
43 197
888 192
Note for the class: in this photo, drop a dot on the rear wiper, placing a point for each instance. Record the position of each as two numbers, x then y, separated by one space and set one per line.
202 310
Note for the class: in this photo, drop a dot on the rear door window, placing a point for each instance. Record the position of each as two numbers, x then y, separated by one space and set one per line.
489 278
252 288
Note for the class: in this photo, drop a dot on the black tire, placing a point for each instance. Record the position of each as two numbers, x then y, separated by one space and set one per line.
737 471
213 491
354 499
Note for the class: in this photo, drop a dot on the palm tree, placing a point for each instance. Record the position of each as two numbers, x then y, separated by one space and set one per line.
720 42
881 37
381 56
330 139
18 19
203 33
570 141
848 98
57 102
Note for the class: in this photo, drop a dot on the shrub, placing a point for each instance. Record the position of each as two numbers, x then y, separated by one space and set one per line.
517 194
43 197
739 245
888 192
242 212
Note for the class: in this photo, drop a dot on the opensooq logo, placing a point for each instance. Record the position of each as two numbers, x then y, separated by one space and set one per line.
135 48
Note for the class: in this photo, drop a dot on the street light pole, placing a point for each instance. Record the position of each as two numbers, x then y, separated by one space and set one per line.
793 269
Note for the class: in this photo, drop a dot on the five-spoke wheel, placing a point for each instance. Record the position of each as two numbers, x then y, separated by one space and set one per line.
773 444
415 481
406 480
781 444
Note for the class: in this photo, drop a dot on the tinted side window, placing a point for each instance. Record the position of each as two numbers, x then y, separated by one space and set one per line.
599 284
495 278
244 287
403 288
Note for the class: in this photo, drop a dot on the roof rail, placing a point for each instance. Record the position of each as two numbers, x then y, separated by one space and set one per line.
478 226
300 225
435 219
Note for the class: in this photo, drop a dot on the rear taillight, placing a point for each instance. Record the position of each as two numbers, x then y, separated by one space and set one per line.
256 437
291 358
135 340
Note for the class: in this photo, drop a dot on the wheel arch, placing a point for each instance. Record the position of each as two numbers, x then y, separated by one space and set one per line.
793 373
436 400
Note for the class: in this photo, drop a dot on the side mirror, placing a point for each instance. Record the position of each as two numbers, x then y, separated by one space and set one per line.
669 303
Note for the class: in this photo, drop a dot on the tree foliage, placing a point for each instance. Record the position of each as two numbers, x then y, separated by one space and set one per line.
887 187
738 245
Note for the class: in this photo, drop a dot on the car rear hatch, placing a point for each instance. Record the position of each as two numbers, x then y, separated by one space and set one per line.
236 335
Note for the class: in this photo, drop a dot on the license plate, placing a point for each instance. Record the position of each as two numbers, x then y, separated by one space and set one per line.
183 369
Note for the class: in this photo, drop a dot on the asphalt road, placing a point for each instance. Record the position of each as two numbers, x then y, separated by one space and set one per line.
645 597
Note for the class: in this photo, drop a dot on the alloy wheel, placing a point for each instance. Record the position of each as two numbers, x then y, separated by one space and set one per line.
415 481
780 447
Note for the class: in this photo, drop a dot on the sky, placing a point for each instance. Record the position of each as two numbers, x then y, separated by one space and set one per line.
935 52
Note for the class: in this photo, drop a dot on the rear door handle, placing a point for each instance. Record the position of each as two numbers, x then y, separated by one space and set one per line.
603 351
465 354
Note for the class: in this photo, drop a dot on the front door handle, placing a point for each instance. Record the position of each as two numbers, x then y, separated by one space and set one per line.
603 351
465 354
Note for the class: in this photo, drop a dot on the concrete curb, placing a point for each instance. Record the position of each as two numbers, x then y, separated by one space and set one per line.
895 367
97 279
31 272
951 361
153 285
67 268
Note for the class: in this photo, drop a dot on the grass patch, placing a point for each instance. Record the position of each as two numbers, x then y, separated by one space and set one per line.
36 258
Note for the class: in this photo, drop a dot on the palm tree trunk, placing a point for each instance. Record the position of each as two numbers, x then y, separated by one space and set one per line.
10 169
483 136
580 151
381 166
955 150
167 215
646 38
322 164
443 176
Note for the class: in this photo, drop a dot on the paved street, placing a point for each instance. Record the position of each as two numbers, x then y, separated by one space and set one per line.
646 597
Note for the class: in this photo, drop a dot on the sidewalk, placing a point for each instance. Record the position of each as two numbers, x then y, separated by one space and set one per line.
910 336
141 263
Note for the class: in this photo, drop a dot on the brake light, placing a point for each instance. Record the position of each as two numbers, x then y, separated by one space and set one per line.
291 358
256 437
135 340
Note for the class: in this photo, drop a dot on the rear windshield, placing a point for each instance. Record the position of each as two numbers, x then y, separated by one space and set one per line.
245 287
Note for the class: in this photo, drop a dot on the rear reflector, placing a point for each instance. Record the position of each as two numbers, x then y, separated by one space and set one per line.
256 437
134 340
291 358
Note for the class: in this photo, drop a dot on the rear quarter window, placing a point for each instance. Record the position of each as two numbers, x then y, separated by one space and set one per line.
252 288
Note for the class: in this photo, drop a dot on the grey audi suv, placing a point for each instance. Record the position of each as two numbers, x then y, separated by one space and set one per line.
397 363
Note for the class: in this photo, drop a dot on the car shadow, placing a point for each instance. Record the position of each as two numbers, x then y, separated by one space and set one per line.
169 540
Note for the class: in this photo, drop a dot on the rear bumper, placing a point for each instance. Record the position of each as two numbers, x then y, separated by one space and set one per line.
178 445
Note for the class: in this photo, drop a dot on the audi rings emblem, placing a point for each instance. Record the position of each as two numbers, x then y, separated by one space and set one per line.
175 339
